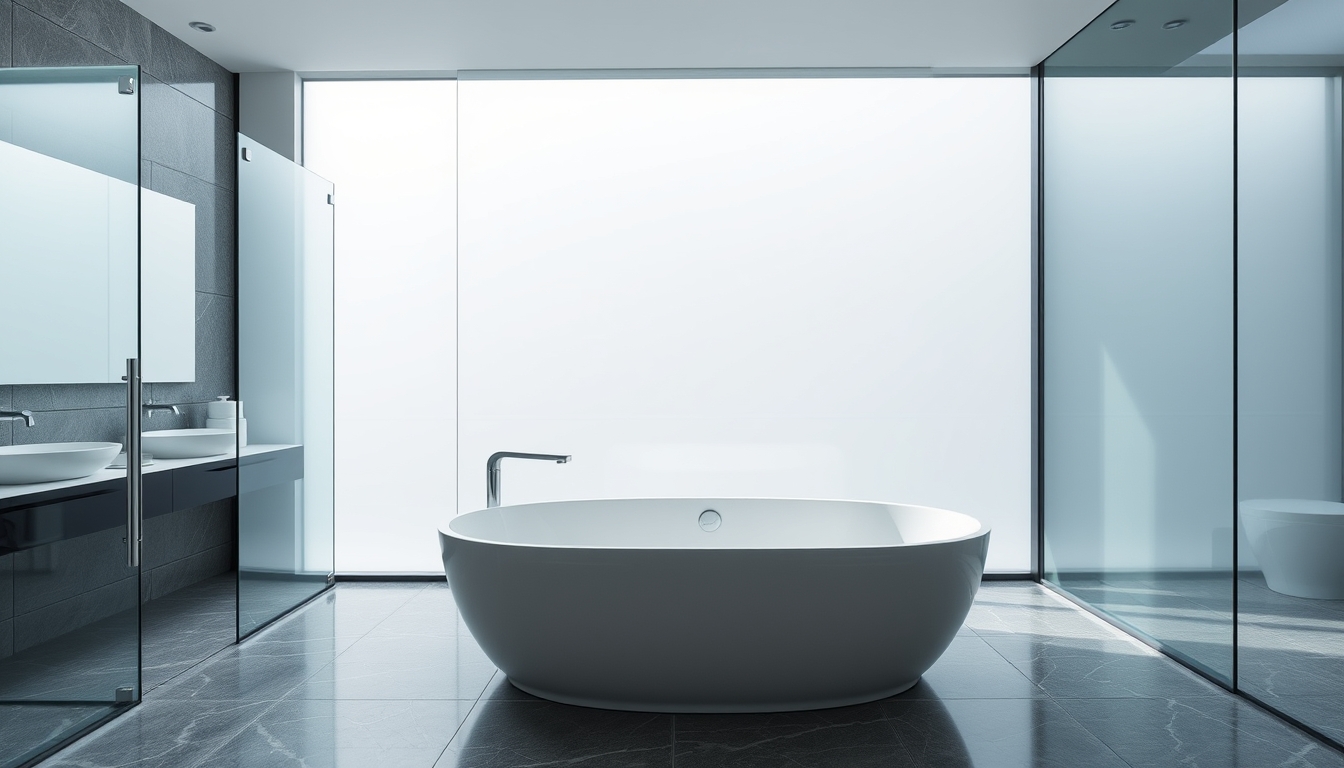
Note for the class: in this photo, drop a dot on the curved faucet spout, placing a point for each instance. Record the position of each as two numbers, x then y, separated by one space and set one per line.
492 470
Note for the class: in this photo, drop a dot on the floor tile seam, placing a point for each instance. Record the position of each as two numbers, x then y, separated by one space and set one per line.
346 650
379 623
463 722
1094 735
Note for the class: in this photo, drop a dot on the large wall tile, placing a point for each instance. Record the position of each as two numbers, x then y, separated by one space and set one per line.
183 134
6 638
97 424
54 572
7 587
216 248
188 70
41 43
57 619
190 570
189 532
6 31
6 427
111 25
68 397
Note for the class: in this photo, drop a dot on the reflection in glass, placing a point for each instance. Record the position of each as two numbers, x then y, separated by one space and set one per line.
1138 337
69 209
285 354
1290 600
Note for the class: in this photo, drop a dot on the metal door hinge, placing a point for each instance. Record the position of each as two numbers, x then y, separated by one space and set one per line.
126 86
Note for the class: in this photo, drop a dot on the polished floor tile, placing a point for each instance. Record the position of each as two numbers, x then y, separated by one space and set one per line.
1198 733
502 733
387 675
345 734
161 734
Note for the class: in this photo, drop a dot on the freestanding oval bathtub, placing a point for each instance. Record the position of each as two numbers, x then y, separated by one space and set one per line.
1299 544
713 605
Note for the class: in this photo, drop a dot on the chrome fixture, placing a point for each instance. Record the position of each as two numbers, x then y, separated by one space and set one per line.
1175 24
25 416
150 408
1122 24
202 26
492 471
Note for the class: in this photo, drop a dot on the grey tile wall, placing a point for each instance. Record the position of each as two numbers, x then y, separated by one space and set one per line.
6 32
187 151
6 398
111 26
187 547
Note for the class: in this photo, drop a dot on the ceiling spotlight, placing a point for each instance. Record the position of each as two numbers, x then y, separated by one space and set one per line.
1122 24
1174 23
202 26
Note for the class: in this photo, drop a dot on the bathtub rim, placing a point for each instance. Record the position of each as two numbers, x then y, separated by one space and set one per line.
983 529
1325 513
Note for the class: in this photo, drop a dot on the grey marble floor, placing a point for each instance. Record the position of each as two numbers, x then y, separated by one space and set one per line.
387 675
183 628
1290 649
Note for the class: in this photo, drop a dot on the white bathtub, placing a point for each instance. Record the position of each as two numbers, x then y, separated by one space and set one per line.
1299 544
788 604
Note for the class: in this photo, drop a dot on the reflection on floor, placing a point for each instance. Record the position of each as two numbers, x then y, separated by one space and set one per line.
1290 649
387 675
262 596
1191 613
185 627
64 684
1292 654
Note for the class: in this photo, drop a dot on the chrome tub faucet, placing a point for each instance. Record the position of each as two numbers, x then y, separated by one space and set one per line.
492 471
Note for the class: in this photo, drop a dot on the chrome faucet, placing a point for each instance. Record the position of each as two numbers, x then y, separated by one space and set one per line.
492 471
25 416
150 408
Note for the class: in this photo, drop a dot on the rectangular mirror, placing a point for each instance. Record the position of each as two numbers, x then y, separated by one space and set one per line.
64 224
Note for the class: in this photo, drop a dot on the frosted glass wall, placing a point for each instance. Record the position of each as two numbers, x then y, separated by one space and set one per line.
803 288
389 148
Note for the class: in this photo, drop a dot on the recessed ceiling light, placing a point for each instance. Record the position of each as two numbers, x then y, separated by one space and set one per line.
1122 24
1174 23
202 26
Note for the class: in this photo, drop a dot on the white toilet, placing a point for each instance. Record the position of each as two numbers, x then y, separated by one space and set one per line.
1299 544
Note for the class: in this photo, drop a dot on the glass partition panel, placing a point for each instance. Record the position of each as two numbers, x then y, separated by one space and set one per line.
1137 277
69 242
285 408
1290 599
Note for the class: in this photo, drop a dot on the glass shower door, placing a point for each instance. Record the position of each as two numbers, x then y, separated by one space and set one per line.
286 483
69 511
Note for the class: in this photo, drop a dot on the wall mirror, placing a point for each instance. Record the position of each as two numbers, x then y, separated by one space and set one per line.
68 221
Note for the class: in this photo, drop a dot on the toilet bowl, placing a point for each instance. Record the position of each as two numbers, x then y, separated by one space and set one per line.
1299 544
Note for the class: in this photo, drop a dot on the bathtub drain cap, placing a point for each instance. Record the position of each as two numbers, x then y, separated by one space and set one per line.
710 520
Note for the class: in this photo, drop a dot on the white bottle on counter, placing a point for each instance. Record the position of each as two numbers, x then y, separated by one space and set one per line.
224 413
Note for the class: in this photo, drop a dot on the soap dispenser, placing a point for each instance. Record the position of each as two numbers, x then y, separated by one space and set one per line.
224 413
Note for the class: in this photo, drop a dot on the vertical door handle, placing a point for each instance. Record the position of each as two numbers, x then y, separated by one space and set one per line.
134 512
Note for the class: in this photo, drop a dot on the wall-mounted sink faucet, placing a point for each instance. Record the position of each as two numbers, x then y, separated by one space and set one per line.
151 408
492 471
25 416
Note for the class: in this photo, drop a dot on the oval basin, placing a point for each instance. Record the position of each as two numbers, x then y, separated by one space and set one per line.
188 443
51 462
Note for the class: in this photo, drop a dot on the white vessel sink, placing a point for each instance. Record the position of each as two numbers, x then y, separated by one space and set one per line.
50 462
188 443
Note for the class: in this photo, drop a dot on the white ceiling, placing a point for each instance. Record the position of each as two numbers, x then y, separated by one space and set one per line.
313 36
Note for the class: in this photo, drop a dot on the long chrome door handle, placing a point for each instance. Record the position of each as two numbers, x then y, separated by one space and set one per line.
134 472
